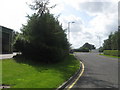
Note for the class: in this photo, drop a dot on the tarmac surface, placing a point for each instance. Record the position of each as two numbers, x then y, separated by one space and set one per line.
100 71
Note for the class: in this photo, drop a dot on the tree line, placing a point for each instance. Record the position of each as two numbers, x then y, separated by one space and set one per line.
113 41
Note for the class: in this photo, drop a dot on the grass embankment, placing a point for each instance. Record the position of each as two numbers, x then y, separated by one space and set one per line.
110 56
112 53
21 75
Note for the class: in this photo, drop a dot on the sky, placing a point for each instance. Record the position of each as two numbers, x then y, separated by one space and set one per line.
94 19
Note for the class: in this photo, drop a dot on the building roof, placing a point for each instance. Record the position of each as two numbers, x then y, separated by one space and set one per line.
5 29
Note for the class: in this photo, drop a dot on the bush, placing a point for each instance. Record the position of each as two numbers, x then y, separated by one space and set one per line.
84 50
81 50
101 49
112 52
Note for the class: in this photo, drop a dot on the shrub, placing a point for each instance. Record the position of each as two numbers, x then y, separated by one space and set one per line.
84 49
101 49
81 50
112 52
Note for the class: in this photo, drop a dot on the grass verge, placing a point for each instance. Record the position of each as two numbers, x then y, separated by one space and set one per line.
110 56
21 75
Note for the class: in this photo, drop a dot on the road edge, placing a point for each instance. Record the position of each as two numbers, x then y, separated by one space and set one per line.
76 76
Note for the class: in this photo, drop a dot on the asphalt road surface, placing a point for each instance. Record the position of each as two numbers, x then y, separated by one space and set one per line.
100 71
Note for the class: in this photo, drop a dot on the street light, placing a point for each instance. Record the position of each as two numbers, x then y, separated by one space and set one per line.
69 34
99 42
69 30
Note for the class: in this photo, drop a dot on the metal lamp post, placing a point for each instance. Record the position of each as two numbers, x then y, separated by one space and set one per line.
69 30
69 34
99 42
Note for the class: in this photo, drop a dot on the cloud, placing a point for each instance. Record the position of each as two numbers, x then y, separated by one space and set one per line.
119 13
59 6
74 27
103 22
94 8
13 13
92 17
78 3
79 38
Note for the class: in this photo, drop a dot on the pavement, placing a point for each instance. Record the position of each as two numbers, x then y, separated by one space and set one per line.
7 56
99 71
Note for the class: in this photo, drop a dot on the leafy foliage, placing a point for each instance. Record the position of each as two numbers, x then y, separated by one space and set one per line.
41 6
113 41
89 46
82 50
112 52
101 49
85 48
43 38
16 35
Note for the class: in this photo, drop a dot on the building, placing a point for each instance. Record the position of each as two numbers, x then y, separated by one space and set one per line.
6 39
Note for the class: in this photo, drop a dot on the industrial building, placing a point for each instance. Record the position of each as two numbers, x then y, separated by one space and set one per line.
6 39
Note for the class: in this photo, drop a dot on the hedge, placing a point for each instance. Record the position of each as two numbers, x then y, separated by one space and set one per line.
81 50
112 52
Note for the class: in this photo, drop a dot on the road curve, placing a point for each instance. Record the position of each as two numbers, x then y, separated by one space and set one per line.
100 71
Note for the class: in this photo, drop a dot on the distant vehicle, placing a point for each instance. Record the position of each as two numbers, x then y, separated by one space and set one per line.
71 51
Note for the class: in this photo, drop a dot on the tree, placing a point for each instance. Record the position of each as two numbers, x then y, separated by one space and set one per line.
41 6
43 38
113 41
89 46
107 44
118 35
85 48
100 49
15 35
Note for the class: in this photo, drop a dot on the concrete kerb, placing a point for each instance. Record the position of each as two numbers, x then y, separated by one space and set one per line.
71 79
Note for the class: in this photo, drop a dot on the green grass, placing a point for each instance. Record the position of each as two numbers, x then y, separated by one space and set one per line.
20 75
110 56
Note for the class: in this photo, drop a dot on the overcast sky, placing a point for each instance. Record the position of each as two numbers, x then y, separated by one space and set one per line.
93 18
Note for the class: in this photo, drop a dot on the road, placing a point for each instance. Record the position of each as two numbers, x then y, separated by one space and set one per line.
100 71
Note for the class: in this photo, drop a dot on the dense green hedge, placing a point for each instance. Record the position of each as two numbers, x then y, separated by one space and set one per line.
81 50
112 52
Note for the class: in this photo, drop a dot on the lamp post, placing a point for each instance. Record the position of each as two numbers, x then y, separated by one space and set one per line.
99 42
69 34
69 30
